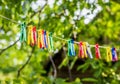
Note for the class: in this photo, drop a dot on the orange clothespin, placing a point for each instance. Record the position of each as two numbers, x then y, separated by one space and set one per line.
34 36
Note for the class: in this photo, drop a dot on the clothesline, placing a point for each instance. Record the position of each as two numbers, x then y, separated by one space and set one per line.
9 19
78 42
53 36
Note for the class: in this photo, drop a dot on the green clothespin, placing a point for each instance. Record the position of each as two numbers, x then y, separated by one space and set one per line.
71 50
51 42
68 47
23 32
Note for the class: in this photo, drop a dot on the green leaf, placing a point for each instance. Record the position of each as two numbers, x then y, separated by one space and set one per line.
83 67
77 80
89 80
64 62
60 81
73 62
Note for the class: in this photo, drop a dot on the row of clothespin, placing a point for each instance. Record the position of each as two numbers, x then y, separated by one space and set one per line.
85 51
41 38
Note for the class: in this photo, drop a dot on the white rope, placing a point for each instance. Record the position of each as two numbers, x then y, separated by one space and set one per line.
9 19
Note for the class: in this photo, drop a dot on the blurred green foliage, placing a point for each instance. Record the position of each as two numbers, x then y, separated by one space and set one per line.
59 19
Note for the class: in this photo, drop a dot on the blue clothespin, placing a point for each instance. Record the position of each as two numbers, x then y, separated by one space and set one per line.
45 39
72 47
88 50
114 54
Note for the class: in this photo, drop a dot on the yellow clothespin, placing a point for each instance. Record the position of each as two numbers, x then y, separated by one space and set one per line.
84 49
109 54
29 34
47 36
38 40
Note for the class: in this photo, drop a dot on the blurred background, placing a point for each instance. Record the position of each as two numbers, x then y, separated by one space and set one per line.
92 21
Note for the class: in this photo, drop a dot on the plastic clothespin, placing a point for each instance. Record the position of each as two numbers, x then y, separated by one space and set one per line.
39 39
48 40
42 38
81 51
72 47
32 39
43 43
45 39
89 51
97 51
114 54
69 48
51 42
29 34
109 54
84 49
23 32
34 35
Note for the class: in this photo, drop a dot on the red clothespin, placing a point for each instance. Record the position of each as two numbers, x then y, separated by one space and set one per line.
97 51
34 36
39 39
81 51
43 39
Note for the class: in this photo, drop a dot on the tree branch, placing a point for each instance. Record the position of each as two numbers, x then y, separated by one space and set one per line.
117 1
24 65
68 65
54 67
8 47
39 11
